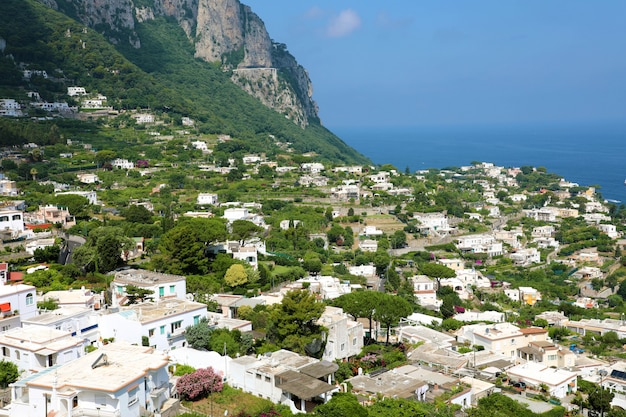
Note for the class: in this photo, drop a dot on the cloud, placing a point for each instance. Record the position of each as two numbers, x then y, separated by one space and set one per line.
383 20
313 13
346 22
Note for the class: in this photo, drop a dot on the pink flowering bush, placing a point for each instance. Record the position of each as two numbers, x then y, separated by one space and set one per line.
199 384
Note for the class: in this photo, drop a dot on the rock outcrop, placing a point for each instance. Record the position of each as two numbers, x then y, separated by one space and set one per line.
224 31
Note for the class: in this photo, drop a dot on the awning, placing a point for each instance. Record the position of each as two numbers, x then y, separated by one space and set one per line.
301 385
4 307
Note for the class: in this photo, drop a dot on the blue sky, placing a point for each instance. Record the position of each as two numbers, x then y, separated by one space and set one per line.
443 62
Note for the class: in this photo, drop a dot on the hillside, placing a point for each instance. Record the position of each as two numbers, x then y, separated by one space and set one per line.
163 76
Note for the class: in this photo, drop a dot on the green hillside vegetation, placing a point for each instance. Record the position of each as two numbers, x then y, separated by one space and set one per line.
162 76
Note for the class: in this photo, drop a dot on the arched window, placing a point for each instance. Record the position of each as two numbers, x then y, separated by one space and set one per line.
17 354
4 218
5 351
17 217
29 299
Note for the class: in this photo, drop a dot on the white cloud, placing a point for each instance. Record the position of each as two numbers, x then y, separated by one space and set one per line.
314 12
346 22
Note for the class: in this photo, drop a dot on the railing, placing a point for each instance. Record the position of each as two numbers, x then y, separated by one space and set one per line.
94 412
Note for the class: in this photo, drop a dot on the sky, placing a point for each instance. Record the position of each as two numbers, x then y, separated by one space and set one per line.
443 62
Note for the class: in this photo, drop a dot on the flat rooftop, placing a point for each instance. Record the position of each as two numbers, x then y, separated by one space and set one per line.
150 311
124 364
38 340
143 277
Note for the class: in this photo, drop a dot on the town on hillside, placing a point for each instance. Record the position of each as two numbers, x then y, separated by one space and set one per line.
165 276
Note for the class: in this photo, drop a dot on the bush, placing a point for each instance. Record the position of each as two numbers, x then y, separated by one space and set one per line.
199 384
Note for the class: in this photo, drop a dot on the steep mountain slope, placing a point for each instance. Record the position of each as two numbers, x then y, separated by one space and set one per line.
221 31
164 76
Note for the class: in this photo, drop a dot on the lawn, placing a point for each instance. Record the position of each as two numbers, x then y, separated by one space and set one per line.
232 400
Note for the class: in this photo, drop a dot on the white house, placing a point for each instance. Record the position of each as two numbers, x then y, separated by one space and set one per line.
207 199
76 91
115 380
33 349
119 163
161 285
479 243
284 377
12 220
74 298
525 257
560 382
162 322
368 245
424 291
500 338
8 187
81 322
88 178
312 167
18 298
143 118
344 335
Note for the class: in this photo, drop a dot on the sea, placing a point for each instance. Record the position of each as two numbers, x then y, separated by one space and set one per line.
590 154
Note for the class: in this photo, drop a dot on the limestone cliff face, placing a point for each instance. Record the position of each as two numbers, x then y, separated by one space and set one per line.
224 31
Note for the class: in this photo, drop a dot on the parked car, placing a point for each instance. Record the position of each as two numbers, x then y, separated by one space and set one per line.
521 385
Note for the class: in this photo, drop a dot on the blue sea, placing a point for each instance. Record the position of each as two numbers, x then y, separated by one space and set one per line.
588 154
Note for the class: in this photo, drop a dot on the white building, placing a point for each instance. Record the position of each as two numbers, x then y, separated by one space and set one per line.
525 257
480 243
424 291
18 299
143 118
207 199
115 380
76 91
284 377
88 178
344 335
12 220
559 381
8 187
368 245
33 349
161 285
119 163
500 338
81 322
312 167
163 322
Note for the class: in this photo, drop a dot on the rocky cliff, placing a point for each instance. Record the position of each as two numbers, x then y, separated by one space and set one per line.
223 31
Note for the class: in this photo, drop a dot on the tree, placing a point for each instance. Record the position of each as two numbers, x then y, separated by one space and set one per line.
136 294
340 405
77 205
102 252
199 384
236 275
138 214
243 230
198 336
600 399
433 270
390 310
312 263
9 373
181 251
398 239
360 304
293 323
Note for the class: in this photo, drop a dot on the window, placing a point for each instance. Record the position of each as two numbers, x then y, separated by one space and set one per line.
267 379
161 291
150 332
196 319
29 299
162 329
17 355
258 376
176 325
120 289
17 217
4 218
132 396
343 347
172 289
551 357
354 342
5 351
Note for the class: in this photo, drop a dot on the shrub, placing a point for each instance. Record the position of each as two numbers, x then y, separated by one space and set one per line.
199 384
